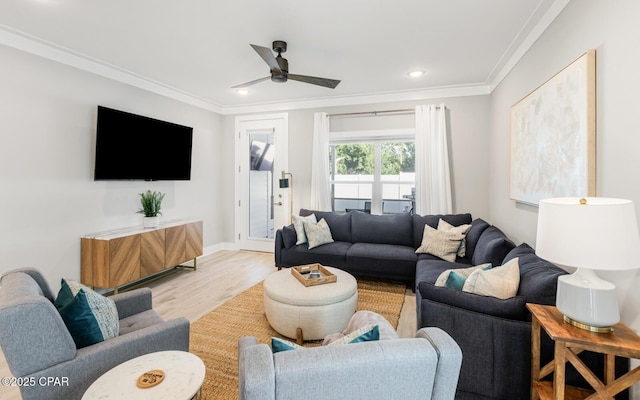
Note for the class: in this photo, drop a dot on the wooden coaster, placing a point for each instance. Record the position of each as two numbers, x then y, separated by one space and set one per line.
150 379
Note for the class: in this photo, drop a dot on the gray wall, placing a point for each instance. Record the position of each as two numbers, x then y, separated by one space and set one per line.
48 197
612 29
469 147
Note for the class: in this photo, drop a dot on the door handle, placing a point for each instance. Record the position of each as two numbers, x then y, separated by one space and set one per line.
278 203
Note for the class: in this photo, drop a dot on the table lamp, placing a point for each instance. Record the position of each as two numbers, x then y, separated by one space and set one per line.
593 233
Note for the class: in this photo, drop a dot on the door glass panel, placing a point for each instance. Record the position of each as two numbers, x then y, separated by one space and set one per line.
261 158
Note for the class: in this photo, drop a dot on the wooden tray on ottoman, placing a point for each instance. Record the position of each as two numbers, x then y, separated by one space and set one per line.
302 273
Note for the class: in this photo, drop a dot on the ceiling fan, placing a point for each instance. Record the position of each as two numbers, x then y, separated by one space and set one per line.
280 68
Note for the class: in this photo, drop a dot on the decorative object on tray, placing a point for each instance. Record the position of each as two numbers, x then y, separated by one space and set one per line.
151 204
313 274
150 379
553 136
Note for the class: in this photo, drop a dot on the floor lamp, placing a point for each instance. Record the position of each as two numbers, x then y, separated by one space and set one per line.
288 183
592 233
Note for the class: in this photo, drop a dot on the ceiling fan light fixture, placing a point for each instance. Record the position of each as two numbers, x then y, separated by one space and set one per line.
242 92
416 73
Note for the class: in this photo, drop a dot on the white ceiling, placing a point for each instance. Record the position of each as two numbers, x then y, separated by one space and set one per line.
196 50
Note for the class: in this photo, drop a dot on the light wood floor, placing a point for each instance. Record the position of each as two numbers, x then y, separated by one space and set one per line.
219 277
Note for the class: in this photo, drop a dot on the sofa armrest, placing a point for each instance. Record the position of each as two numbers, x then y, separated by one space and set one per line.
512 308
133 302
449 361
256 372
93 361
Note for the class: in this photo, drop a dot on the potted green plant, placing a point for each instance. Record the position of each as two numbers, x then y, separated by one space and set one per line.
151 204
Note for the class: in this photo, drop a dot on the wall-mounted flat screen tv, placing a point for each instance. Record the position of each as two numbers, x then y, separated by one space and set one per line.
134 147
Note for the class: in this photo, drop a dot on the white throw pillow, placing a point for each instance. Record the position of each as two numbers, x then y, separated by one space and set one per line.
501 282
298 225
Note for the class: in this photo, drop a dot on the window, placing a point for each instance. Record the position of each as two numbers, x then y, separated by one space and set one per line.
376 176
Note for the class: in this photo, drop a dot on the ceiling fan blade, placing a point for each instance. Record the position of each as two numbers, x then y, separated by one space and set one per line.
330 83
268 57
250 82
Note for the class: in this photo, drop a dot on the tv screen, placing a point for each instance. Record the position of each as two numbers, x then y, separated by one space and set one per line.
133 147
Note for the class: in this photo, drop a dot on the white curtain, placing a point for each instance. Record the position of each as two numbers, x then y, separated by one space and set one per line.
320 186
433 179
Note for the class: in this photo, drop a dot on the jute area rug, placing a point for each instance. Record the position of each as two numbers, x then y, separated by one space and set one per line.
214 337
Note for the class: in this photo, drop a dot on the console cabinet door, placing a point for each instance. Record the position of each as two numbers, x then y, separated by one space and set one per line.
175 245
152 252
124 260
194 240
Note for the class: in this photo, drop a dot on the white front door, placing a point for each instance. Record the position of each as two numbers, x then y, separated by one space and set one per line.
261 157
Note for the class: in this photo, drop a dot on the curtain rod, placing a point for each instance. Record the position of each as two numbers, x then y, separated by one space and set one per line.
376 113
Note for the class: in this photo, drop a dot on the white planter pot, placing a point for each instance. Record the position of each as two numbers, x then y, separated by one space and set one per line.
151 222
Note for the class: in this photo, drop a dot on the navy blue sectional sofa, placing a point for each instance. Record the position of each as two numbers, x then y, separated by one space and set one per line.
494 334
368 246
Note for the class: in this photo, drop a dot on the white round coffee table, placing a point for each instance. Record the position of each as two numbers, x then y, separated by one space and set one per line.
309 312
184 374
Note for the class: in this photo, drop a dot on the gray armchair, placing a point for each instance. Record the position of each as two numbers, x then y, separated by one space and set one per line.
36 342
425 367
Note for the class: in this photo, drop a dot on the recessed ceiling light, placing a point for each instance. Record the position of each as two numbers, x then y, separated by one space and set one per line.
242 92
416 74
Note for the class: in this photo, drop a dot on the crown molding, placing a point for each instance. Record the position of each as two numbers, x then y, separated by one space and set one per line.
549 16
30 44
370 98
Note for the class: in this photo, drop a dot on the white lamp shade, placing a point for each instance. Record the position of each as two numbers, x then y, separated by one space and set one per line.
601 234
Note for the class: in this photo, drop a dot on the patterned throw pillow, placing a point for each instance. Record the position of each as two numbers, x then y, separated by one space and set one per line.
462 229
317 234
501 282
89 316
441 244
298 225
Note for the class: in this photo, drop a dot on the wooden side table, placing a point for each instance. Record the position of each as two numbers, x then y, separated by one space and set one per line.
569 342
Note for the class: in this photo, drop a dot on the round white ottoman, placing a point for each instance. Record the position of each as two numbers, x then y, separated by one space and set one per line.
309 313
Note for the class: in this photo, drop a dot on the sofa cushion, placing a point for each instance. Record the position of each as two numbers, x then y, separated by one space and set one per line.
383 261
298 225
384 229
538 277
444 244
501 282
317 234
90 317
478 226
340 224
331 254
139 321
492 247
420 221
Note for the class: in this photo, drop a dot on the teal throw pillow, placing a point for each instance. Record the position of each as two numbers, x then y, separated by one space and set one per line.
90 317
455 281
278 345
365 334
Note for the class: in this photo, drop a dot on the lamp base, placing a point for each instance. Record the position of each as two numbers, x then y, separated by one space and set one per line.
590 328
587 302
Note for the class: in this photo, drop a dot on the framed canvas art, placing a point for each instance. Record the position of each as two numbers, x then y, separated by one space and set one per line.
553 136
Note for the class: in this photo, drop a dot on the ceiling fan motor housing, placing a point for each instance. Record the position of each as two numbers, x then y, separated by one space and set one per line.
280 76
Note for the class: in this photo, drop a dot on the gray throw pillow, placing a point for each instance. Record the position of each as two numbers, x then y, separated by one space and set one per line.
317 234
